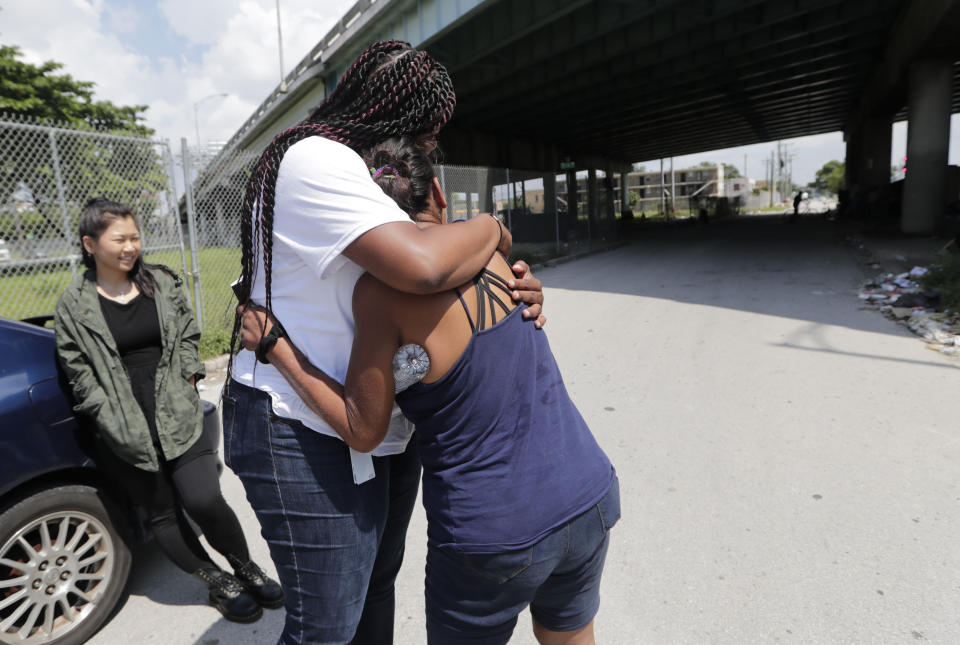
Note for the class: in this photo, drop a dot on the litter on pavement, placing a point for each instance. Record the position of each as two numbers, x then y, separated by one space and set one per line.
901 298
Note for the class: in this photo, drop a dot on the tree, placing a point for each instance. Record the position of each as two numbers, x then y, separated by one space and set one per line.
126 168
830 178
730 171
36 91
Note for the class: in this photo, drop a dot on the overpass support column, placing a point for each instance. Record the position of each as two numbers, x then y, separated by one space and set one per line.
572 223
624 194
868 158
487 205
852 161
610 192
549 193
592 208
875 152
928 138
550 205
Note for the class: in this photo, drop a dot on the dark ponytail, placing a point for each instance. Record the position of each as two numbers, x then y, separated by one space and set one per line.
403 171
97 215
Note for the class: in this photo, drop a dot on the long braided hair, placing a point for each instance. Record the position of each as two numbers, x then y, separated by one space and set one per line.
391 90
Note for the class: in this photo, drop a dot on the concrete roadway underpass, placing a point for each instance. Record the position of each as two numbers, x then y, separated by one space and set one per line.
788 460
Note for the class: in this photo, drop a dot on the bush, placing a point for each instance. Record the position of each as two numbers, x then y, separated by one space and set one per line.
944 277
214 342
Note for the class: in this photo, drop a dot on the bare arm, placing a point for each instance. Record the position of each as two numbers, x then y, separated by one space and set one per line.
360 411
431 259
397 256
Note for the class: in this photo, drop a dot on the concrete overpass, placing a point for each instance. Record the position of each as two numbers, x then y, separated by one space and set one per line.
603 83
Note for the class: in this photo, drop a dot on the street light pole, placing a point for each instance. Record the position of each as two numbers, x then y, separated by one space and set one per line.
283 82
196 108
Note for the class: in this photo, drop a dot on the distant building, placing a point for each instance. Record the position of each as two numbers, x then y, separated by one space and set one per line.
647 191
739 187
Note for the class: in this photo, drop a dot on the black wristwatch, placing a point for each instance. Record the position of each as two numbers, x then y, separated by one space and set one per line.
269 340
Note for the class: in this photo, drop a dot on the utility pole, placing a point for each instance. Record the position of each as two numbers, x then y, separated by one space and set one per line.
770 185
779 170
283 82
663 194
196 113
673 189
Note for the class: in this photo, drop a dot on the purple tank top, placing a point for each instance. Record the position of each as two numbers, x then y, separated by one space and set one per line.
506 455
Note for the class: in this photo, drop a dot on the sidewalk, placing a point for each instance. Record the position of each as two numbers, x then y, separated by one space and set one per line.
890 252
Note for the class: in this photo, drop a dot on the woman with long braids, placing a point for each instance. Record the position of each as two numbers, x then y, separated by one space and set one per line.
313 221
128 345
519 497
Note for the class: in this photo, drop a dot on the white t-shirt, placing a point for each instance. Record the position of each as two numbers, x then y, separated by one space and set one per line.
325 199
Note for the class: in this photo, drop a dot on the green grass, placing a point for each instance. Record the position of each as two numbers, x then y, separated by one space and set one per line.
32 295
36 294
219 267
944 277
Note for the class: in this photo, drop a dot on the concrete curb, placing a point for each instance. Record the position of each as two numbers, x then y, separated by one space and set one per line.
216 364
563 259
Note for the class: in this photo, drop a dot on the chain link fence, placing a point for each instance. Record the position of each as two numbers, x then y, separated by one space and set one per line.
536 206
47 174
188 202
528 202
213 200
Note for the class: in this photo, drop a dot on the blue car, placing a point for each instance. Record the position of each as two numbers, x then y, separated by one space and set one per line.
64 530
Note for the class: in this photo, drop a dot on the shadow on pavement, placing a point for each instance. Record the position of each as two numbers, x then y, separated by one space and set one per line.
265 631
156 578
757 264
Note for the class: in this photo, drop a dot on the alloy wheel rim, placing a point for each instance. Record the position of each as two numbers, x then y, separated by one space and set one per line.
53 572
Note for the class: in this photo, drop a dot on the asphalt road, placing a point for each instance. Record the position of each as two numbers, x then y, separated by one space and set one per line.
788 461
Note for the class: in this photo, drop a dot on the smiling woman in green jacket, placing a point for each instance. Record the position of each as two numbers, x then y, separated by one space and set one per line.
127 342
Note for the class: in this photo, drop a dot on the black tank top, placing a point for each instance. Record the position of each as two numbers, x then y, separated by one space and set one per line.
506 455
135 328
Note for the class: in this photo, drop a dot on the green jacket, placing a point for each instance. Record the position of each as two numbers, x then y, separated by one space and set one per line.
101 387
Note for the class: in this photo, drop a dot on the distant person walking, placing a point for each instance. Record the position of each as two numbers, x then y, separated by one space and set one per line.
796 206
128 343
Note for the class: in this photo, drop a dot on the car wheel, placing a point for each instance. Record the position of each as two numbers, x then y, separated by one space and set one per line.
63 566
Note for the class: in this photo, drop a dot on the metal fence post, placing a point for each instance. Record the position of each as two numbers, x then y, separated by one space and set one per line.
175 214
509 205
61 197
443 184
192 229
556 212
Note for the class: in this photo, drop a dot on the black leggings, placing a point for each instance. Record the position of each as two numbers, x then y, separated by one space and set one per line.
190 483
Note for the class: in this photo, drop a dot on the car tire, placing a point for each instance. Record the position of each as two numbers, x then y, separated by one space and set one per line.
63 566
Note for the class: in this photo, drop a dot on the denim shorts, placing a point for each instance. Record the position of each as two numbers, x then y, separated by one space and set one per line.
476 598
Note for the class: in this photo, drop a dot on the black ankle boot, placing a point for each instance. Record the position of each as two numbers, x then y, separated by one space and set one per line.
229 596
267 592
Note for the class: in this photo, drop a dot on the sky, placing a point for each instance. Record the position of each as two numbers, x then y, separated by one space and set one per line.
173 55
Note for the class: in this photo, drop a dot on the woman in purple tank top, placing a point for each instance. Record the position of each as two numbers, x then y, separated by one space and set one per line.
519 497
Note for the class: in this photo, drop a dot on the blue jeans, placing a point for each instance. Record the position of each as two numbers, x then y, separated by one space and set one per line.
337 546
474 599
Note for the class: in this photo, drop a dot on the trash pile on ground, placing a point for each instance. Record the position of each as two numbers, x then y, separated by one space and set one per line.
902 298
